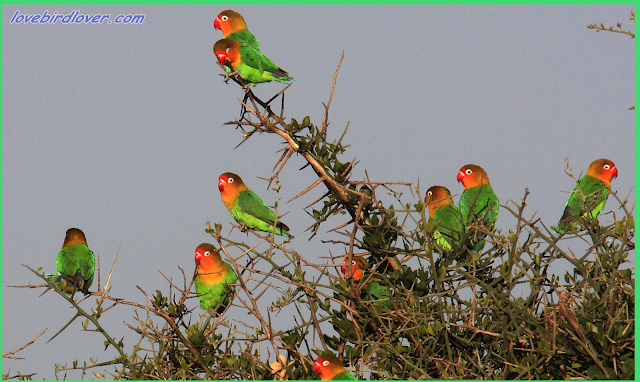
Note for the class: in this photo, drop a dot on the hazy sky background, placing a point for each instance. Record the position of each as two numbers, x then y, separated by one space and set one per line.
118 129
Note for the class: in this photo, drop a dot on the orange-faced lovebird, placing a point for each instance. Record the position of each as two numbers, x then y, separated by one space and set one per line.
234 27
359 265
214 280
246 207
331 369
447 217
595 186
478 202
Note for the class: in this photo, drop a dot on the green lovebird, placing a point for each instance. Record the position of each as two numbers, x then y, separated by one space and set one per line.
76 263
595 186
234 27
253 66
214 280
246 207
478 202
331 369
446 216
374 290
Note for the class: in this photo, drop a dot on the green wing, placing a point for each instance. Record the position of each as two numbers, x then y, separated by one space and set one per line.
75 264
596 193
245 38
217 296
449 229
251 204
255 67
250 210
480 203
375 291
256 60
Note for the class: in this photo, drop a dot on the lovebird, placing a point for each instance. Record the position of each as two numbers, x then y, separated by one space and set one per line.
234 27
253 66
374 290
76 263
478 202
214 280
595 186
330 369
447 217
246 207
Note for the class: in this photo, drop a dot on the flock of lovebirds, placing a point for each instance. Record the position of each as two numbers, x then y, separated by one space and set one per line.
239 50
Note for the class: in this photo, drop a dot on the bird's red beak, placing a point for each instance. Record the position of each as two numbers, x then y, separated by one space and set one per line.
222 57
317 367
221 185
198 257
344 268
460 176
216 24
614 172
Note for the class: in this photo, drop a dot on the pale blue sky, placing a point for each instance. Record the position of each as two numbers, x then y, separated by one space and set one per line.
118 129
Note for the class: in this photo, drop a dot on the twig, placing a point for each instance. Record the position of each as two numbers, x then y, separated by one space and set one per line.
7 354
325 120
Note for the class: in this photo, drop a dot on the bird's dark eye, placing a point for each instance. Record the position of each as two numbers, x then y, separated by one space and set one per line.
230 180
207 253
468 172
429 193
224 18
325 363
607 167
353 262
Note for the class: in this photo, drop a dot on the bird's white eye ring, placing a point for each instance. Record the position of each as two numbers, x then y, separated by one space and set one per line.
607 167
353 262
429 193
207 253
230 180
468 172
224 18
325 363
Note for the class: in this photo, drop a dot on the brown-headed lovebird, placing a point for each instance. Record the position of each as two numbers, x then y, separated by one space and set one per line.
331 369
478 202
76 263
449 227
246 207
214 280
595 186
234 27
253 66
